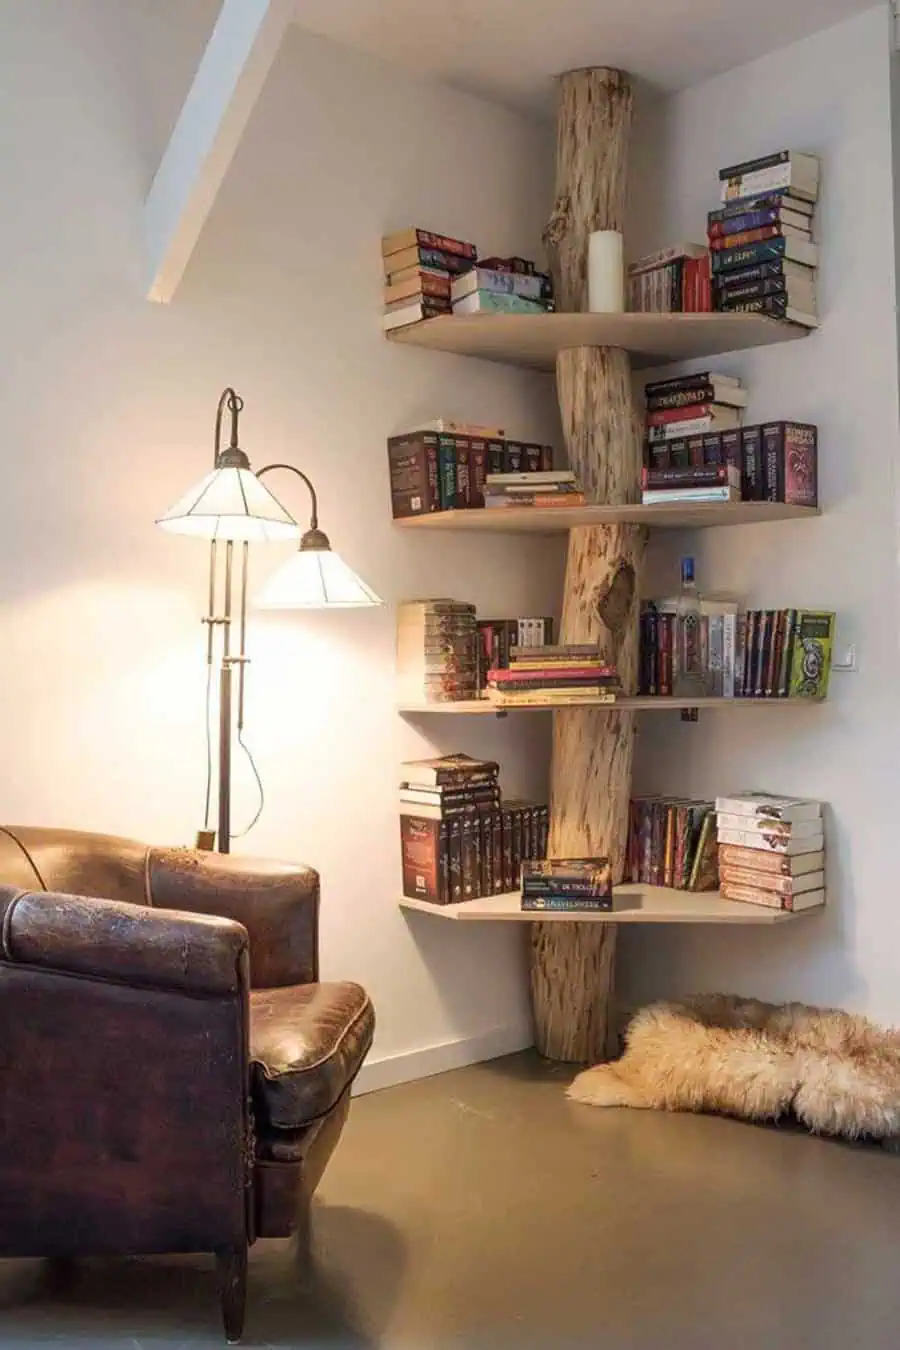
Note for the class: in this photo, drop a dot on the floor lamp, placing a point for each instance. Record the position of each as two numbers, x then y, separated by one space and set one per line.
233 506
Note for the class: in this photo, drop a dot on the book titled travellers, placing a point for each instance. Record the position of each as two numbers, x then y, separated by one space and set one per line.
567 884
783 171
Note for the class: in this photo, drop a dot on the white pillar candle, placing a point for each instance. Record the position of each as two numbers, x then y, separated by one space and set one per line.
606 272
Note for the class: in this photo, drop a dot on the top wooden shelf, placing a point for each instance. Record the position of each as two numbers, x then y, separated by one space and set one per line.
534 340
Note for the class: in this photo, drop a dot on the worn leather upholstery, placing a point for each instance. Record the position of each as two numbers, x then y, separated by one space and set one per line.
126 1109
277 903
111 940
306 1046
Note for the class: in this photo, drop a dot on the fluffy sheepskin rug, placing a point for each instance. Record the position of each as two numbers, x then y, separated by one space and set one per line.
836 1073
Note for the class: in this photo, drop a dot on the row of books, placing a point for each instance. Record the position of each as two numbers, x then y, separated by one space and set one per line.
761 653
759 256
676 279
444 652
696 447
760 238
502 286
501 641
573 885
428 274
444 465
460 840
553 676
686 411
418 269
771 850
672 842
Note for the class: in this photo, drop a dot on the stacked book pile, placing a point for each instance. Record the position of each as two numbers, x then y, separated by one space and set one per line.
570 885
763 653
763 257
551 487
498 639
673 280
459 839
771 850
418 267
444 465
502 286
688 419
553 676
672 842
437 652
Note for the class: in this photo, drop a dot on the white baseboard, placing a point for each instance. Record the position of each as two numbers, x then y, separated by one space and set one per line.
432 1059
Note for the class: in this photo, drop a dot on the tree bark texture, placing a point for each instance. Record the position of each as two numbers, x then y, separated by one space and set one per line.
573 964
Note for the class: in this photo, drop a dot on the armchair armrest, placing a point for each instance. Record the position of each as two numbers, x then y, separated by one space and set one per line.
107 939
277 903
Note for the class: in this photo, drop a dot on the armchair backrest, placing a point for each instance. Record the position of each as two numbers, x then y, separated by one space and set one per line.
278 903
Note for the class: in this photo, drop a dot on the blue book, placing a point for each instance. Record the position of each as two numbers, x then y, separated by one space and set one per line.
748 255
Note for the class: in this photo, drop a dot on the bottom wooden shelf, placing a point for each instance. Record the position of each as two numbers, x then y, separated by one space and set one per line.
634 904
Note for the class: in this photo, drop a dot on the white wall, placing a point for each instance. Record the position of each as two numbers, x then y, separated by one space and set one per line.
107 412
829 95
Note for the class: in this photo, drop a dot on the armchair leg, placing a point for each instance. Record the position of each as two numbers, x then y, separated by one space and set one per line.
232 1270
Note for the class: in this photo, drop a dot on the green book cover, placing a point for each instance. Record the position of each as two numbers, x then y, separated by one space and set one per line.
811 654
705 871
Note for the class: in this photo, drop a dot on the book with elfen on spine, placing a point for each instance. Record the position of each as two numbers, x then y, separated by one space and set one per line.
771 850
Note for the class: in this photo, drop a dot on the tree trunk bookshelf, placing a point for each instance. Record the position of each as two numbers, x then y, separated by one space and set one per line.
573 956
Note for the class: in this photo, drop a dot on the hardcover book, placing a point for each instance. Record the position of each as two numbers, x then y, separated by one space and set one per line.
771 842
413 474
790 463
415 237
811 655
774 864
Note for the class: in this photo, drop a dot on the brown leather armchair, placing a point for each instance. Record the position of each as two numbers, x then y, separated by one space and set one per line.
173 1076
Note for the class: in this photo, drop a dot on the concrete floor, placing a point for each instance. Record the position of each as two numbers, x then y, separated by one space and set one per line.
480 1209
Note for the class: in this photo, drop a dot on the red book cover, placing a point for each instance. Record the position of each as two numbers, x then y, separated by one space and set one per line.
745 237
686 414
704 298
695 451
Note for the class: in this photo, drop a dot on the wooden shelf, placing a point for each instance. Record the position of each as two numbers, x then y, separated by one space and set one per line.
558 519
634 904
483 707
533 340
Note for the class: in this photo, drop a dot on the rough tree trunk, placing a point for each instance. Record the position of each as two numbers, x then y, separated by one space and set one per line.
573 964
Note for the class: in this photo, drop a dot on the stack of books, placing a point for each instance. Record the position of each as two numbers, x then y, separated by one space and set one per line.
571 885
437 652
763 256
672 842
673 280
553 676
684 454
551 487
418 267
771 850
459 839
443 465
502 286
498 639
763 653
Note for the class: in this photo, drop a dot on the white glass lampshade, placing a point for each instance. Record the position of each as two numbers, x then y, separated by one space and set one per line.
316 578
231 503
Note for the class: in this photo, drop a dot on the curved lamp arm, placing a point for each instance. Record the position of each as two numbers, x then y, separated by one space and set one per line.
314 538
234 403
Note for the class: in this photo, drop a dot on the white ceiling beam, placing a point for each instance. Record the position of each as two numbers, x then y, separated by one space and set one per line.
228 82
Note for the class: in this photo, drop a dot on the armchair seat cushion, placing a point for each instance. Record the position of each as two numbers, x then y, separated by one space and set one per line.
307 1044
